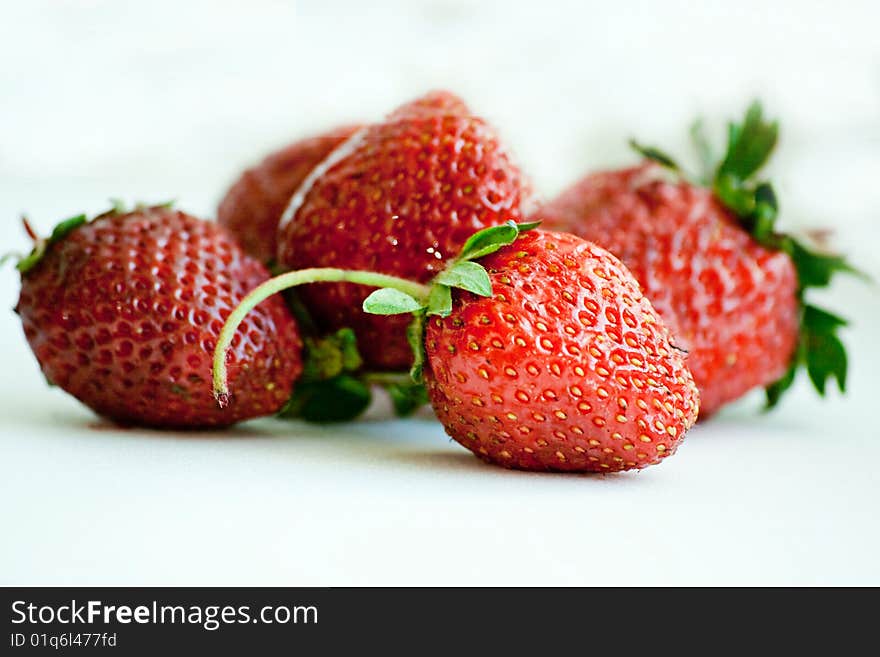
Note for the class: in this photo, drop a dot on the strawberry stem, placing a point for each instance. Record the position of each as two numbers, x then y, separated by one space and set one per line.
284 282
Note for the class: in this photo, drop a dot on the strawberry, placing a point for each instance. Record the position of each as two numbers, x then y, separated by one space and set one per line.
254 204
123 312
565 367
713 265
543 356
400 197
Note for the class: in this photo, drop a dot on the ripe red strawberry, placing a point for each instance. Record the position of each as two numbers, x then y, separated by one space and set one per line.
254 204
729 286
565 367
400 198
731 302
123 312
550 360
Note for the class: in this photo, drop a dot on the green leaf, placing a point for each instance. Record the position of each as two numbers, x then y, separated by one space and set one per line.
415 336
351 357
440 300
823 351
734 130
63 228
749 144
339 399
826 358
819 350
704 151
816 269
655 155
488 241
733 194
527 226
388 301
775 390
762 228
331 355
763 219
765 197
469 276
407 398
818 320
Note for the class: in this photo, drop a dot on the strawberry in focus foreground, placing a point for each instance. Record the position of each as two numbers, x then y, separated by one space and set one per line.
565 367
399 197
707 254
123 312
544 355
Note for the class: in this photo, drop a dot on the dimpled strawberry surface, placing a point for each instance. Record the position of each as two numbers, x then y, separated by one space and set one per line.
124 312
254 204
730 301
402 202
566 367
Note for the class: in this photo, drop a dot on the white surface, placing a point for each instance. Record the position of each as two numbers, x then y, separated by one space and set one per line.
170 99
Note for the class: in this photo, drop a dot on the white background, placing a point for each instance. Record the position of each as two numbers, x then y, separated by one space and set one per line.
168 99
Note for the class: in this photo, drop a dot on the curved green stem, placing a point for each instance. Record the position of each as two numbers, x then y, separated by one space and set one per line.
288 280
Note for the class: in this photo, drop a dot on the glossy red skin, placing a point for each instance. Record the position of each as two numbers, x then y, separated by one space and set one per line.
567 367
124 314
406 200
731 302
254 204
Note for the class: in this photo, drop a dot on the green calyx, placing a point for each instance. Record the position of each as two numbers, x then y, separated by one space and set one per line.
462 273
42 244
735 181
819 351
331 355
329 389
334 387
